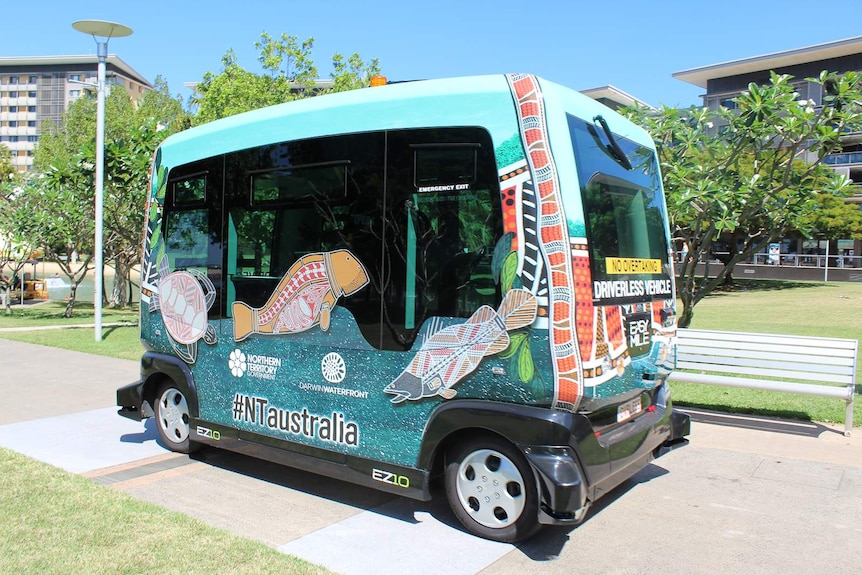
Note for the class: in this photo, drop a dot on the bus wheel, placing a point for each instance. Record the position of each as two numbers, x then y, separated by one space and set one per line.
491 489
172 419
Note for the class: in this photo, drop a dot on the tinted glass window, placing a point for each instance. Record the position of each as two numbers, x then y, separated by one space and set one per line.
624 208
307 197
443 219
192 223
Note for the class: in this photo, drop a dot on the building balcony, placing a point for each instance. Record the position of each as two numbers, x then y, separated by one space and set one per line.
843 159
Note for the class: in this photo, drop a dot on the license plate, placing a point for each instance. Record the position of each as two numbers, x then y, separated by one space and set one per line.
629 409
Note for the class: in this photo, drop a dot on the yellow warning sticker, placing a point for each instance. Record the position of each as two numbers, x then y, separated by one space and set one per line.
632 266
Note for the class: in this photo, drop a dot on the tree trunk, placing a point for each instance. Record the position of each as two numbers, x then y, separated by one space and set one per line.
71 303
119 295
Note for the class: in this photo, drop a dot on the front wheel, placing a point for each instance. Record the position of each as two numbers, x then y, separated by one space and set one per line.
491 489
172 419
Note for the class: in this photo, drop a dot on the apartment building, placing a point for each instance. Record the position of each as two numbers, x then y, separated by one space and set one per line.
38 89
725 81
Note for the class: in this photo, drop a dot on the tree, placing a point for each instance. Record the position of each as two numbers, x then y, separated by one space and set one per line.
754 179
835 218
352 74
67 156
19 234
289 74
63 205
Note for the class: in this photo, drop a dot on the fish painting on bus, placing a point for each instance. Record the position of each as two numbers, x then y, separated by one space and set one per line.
456 351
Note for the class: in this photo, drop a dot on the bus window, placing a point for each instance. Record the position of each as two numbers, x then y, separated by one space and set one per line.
443 217
192 223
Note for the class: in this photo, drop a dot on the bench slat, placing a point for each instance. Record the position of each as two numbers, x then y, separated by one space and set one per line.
846 363
804 388
690 335
732 346
735 369
789 363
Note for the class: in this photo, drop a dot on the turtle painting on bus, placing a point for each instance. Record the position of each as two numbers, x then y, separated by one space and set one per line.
184 299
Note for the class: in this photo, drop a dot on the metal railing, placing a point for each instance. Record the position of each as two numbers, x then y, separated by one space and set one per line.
800 261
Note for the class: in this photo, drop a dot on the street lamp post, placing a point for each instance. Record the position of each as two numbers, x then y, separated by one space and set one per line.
105 30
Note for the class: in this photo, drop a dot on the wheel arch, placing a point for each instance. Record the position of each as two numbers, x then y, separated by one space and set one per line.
518 424
542 435
157 368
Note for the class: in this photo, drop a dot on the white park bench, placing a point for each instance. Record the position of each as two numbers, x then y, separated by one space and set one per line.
798 364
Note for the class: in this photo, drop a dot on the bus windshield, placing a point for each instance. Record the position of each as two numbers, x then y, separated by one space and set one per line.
624 208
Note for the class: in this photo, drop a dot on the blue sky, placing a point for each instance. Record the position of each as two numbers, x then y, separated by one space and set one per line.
633 45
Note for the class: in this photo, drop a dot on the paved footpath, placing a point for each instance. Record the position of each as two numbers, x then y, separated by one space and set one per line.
748 495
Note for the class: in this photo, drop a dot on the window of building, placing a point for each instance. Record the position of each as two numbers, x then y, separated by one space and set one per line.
13 94
13 109
13 123
32 139
31 108
75 77
32 79
13 139
31 123
13 79
31 94
74 93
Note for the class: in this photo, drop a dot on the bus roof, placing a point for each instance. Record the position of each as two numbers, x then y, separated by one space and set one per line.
467 101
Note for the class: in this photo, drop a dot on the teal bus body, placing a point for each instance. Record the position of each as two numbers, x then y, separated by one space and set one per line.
362 284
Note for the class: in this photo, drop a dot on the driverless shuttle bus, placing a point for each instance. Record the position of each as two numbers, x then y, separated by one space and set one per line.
467 279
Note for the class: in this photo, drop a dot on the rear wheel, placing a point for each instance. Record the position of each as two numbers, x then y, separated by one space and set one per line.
491 489
172 419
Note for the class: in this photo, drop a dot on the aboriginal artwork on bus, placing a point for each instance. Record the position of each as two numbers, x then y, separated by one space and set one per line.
544 224
452 353
155 201
184 299
305 296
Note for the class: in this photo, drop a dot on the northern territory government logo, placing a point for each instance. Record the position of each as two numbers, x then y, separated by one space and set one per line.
258 366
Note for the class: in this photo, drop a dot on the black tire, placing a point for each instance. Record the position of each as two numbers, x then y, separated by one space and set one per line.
491 489
172 419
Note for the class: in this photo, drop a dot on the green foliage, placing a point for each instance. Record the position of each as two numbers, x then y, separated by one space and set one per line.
352 74
833 217
61 199
751 174
7 168
289 73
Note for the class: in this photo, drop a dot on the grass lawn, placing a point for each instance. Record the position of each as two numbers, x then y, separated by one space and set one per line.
58 522
795 308
121 342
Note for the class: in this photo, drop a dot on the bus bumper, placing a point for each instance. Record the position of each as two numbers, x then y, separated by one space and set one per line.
561 484
680 427
131 402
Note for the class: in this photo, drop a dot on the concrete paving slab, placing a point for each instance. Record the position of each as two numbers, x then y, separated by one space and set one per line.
38 381
84 441
396 538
